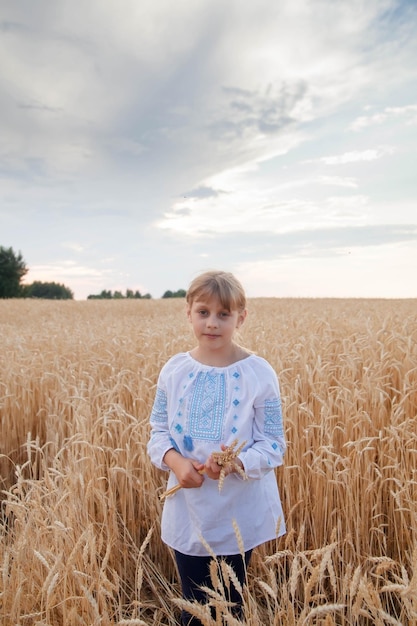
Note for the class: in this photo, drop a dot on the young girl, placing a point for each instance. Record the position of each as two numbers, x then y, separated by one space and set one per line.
206 399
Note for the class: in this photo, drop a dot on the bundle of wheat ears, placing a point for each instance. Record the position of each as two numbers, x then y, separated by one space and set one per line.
226 458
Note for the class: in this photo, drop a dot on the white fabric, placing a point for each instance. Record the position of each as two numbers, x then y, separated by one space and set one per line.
198 407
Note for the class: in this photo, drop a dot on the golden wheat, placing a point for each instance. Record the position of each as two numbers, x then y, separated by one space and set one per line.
80 511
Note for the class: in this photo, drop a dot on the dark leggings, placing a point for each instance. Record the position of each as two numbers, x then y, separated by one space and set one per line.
194 572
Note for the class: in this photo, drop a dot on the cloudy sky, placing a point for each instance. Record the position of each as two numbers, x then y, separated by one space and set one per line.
143 141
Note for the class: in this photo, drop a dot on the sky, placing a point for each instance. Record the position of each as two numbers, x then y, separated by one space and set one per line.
145 141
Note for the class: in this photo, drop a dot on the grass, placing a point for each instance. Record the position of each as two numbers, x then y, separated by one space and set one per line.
80 500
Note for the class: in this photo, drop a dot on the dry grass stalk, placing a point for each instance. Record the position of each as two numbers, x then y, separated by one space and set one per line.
202 612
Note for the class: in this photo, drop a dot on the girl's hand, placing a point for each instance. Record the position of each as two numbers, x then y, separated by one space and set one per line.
213 469
186 470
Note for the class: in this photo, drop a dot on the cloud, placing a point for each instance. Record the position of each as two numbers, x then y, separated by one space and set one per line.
243 102
337 181
253 211
407 113
355 156
203 192
267 112
66 272
76 247
309 242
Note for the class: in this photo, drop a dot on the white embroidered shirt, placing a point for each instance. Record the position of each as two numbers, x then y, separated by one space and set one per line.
196 409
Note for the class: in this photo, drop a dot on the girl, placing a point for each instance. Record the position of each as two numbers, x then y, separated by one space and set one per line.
207 398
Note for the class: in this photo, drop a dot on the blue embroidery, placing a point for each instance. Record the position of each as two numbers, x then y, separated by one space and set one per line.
174 445
159 409
188 443
178 428
273 418
236 402
236 374
207 406
234 430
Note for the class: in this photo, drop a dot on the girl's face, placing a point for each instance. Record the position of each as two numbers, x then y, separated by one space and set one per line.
213 325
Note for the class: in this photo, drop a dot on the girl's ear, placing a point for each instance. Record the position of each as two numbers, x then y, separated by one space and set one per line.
241 318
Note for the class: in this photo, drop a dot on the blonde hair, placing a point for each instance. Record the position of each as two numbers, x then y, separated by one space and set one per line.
222 285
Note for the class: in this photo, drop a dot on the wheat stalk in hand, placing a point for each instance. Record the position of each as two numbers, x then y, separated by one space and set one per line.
225 458
228 457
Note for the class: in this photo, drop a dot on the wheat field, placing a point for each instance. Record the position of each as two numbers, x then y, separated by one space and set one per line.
80 505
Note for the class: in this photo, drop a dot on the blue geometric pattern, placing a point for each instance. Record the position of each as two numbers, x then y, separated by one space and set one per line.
273 418
159 409
174 445
188 443
208 406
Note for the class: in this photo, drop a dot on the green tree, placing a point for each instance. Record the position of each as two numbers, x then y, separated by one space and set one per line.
12 270
180 293
48 291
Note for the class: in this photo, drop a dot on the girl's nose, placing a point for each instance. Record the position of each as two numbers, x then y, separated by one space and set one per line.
212 321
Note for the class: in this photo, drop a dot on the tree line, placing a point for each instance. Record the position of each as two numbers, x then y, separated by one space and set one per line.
117 295
107 294
13 269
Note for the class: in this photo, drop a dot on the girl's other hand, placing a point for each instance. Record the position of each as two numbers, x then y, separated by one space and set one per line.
186 470
213 469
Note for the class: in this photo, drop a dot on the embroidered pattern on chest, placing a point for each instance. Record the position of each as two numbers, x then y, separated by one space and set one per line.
207 406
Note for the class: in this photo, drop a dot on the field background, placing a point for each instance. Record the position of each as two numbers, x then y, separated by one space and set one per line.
80 508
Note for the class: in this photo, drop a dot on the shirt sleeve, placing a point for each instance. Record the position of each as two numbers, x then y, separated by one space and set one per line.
269 445
160 440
